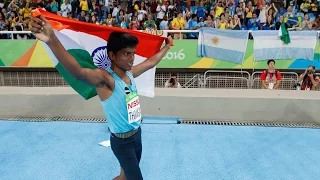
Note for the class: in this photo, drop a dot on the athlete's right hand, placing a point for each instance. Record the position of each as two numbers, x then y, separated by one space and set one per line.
42 29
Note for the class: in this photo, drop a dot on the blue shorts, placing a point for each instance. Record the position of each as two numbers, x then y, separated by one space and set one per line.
128 152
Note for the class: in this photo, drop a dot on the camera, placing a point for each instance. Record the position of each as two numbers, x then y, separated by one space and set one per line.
309 71
172 81
297 86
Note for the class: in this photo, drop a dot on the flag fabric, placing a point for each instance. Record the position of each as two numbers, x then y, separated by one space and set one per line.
87 43
268 45
284 33
223 44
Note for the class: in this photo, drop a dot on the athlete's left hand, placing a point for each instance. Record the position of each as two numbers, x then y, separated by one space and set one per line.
169 40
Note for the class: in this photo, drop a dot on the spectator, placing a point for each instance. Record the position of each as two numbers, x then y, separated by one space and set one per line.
306 24
3 25
150 24
84 6
222 23
201 11
240 11
66 8
178 23
249 10
172 82
134 25
164 24
270 77
54 6
235 23
192 24
272 11
263 12
219 9
210 21
308 80
170 14
161 11
269 25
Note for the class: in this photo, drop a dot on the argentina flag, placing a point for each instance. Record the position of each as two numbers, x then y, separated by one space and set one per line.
268 45
227 45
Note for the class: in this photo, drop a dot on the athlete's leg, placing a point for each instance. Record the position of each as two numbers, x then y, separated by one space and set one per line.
138 145
124 150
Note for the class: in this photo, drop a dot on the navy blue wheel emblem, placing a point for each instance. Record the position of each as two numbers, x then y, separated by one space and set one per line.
100 57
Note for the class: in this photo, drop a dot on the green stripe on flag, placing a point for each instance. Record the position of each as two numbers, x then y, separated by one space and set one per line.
84 59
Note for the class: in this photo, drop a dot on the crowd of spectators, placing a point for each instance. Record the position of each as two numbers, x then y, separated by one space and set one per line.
169 14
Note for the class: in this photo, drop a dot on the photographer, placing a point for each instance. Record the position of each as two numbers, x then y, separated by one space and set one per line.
308 80
172 82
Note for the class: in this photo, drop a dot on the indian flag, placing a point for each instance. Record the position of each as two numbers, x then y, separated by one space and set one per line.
88 44
267 45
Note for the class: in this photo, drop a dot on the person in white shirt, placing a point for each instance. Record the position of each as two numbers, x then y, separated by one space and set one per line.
65 8
161 11
115 11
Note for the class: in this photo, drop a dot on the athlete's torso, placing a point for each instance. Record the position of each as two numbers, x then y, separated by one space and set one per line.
120 103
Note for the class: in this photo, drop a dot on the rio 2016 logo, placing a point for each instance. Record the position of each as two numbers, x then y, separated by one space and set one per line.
175 55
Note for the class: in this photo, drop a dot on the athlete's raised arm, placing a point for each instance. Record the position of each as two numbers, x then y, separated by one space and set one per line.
43 31
153 60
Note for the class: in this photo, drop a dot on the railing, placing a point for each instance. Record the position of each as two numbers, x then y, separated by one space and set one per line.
194 79
288 80
220 71
225 80
233 80
1 79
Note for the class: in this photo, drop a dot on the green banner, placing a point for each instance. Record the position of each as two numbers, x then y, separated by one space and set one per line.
184 55
31 53
181 55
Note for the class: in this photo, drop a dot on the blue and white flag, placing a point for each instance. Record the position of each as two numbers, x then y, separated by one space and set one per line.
227 45
268 45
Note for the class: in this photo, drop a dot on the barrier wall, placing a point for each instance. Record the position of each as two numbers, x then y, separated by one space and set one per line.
189 104
30 53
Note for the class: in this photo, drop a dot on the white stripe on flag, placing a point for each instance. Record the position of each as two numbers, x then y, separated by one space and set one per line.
66 42
262 43
88 41
224 42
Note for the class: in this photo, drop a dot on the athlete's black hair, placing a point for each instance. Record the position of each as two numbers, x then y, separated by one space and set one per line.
118 41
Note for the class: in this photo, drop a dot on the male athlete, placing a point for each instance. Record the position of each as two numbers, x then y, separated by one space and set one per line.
116 88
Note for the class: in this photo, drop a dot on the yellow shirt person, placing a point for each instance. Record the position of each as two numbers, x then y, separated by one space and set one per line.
84 5
178 23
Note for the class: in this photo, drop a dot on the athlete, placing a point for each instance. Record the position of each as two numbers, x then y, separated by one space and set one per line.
116 88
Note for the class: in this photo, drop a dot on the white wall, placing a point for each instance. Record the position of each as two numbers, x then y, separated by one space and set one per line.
194 104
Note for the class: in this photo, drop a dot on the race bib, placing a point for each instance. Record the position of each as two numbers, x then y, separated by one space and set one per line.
133 107
270 86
